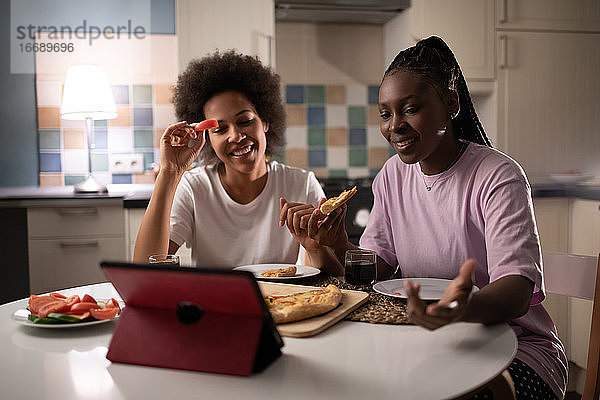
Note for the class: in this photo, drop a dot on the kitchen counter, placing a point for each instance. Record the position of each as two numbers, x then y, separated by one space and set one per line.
138 195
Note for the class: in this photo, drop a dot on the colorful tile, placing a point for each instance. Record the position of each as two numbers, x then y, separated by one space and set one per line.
75 162
354 173
100 123
297 158
316 136
316 116
296 115
356 95
296 137
337 157
101 137
145 178
121 94
49 93
317 158
49 139
74 139
142 116
148 160
99 162
164 115
74 179
50 179
357 157
315 94
163 94
49 117
373 94
120 139
375 138
294 94
336 94
337 115
373 116
121 179
142 94
50 162
357 116
337 136
143 138
377 156
357 137
123 117
338 173
321 173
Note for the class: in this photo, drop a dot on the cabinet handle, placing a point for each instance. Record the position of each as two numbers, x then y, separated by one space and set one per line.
503 51
503 12
70 245
78 212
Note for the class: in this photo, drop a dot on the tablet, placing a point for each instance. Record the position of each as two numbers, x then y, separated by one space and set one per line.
199 319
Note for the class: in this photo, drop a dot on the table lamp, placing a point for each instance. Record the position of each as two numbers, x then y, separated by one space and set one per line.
87 96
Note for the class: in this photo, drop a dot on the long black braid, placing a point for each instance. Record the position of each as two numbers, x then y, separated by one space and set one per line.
433 60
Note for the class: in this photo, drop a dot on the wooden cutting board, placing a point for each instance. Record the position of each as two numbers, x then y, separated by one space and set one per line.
351 300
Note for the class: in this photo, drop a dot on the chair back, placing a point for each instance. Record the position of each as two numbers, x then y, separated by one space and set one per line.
578 276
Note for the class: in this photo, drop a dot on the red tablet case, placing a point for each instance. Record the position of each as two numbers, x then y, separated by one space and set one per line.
193 319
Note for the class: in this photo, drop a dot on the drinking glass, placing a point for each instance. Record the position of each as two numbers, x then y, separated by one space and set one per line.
360 267
164 260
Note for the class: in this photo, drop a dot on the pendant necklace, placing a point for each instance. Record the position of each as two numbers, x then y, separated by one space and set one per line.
428 187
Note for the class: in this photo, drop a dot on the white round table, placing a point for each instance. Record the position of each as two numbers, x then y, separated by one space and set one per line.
351 360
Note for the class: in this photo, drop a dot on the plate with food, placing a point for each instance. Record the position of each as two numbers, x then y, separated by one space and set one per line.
279 271
431 288
59 311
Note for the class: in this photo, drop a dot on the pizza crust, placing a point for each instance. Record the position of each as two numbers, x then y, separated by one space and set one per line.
279 272
335 202
302 305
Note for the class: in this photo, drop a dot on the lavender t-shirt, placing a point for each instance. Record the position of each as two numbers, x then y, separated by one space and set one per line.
479 208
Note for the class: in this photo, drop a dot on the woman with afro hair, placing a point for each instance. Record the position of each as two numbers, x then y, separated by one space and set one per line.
231 210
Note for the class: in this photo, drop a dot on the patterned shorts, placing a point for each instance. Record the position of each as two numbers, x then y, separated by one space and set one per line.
528 384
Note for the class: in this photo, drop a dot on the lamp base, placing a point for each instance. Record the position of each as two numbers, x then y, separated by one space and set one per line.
90 185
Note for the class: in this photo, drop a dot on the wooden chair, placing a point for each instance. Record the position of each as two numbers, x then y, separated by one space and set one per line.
579 276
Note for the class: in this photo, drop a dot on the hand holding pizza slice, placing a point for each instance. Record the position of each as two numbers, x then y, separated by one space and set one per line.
335 202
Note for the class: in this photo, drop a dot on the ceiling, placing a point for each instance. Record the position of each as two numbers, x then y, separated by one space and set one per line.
339 11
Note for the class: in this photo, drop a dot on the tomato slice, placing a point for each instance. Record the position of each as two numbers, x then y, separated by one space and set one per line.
73 300
56 306
112 303
88 299
206 124
83 307
107 313
58 295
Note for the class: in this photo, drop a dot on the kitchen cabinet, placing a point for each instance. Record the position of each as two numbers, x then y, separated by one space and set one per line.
204 26
468 28
585 239
67 243
134 218
547 100
556 15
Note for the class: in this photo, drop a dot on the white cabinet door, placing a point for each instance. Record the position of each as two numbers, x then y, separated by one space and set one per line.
585 239
56 264
466 25
548 85
552 218
204 26
556 15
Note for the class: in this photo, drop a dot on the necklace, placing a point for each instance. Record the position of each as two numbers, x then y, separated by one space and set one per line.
428 187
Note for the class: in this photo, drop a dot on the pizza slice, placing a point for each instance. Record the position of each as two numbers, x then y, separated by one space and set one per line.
302 305
335 202
279 272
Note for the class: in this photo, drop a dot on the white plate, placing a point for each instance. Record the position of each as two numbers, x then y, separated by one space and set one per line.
431 288
302 271
21 317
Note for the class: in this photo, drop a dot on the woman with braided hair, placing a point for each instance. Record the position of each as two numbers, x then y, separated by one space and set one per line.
449 206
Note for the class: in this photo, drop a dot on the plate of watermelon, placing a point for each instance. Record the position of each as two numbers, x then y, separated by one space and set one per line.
59 311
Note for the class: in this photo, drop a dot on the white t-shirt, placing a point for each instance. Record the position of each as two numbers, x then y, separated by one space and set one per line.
223 233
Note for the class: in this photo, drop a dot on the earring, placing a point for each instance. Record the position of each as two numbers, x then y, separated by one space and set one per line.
442 131
455 114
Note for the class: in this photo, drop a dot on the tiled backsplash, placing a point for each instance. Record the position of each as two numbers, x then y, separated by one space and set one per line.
334 130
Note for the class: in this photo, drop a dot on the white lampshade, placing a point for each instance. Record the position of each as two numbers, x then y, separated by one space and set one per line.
87 94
